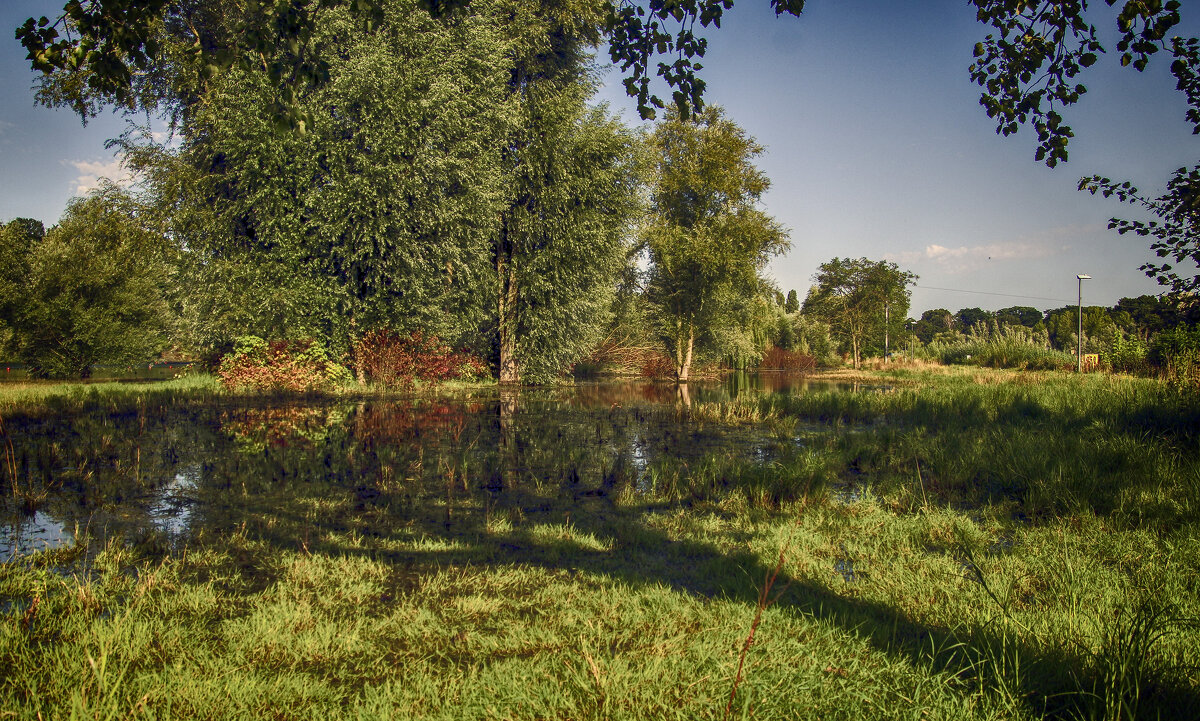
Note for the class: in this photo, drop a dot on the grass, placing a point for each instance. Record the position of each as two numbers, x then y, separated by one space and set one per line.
1015 546
45 397
48 398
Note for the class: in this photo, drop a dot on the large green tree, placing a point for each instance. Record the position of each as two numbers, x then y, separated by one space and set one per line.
91 291
17 238
864 302
932 322
379 214
706 237
569 196
447 175
1020 315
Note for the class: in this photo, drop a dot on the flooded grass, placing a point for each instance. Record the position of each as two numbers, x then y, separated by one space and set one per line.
601 554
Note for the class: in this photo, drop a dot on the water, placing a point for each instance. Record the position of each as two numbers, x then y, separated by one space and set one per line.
291 472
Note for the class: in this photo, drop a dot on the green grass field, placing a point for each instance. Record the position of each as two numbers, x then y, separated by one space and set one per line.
961 545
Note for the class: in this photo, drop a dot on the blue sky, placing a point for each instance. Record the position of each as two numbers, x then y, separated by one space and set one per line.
876 147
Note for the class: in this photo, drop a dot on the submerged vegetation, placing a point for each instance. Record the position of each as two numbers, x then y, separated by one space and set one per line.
949 543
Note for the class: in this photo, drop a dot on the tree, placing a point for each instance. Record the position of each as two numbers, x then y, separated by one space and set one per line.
968 318
91 291
860 299
380 214
1151 313
1019 315
569 197
17 238
1099 328
793 303
564 237
932 322
706 238
449 179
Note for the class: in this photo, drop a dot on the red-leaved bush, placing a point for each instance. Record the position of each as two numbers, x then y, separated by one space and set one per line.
280 365
658 365
786 360
390 359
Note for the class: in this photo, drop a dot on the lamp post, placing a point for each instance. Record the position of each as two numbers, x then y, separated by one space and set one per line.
1079 338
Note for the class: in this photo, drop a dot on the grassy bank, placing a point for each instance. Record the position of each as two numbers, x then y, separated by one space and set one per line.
938 545
56 397
41 397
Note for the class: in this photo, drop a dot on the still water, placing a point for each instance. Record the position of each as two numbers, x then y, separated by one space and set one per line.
172 475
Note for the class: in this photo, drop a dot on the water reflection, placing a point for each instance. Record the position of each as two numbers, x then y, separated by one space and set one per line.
445 464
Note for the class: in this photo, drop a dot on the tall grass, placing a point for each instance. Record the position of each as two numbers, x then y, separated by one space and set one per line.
1003 350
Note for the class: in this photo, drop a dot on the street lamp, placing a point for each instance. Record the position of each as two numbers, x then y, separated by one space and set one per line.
1079 338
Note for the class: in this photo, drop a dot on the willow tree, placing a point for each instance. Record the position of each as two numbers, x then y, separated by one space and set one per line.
380 213
434 171
707 239
571 195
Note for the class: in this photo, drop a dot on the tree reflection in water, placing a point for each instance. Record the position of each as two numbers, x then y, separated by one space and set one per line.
174 475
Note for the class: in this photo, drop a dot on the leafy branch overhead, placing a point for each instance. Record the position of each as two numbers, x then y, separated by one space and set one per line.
638 32
111 47
1028 70
109 43
1174 233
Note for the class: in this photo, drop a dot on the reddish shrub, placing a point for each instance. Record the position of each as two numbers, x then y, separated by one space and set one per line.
390 359
780 359
658 365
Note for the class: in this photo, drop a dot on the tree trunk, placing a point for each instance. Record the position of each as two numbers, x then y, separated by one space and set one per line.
683 398
360 373
683 353
509 448
506 309
854 344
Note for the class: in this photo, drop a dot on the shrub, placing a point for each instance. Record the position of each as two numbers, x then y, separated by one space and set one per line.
779 359
1176 355
1000 351
657 365
1127 355
393 360
281 365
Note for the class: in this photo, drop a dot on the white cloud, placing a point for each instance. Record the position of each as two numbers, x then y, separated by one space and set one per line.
964 258
91 171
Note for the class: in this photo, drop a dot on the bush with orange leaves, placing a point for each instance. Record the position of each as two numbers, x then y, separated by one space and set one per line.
393 360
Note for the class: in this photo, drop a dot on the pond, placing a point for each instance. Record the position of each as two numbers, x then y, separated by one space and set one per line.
440 465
